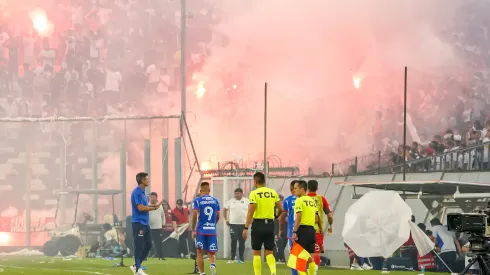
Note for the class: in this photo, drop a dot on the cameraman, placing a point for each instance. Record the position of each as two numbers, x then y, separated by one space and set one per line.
465 248
448 245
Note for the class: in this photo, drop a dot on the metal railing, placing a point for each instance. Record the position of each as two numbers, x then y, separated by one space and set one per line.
470 158
355 165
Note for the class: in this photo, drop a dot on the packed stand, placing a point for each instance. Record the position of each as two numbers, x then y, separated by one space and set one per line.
105 55
76 58
448 114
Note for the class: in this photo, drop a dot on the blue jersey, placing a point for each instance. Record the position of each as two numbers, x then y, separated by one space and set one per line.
139 197
288 206
208 208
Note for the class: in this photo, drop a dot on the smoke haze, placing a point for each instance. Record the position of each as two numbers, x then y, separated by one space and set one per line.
308 53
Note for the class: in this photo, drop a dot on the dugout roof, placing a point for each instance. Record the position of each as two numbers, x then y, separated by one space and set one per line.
437 187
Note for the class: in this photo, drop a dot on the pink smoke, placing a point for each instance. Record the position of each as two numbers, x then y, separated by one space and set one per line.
308 52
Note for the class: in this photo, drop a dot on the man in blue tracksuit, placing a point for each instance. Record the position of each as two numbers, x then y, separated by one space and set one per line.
288 207
141 222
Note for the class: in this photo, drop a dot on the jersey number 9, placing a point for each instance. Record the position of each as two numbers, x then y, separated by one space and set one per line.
208 211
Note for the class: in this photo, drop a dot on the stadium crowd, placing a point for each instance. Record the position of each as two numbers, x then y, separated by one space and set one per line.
103 56
447 113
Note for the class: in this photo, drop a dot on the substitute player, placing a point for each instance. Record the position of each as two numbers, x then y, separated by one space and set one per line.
288 207
140 219
206 216
323 208
306 217
263 201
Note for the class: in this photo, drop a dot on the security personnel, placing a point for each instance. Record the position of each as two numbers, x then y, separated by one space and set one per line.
263 201
306 217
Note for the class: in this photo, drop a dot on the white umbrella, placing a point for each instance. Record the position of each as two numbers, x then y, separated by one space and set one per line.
377 224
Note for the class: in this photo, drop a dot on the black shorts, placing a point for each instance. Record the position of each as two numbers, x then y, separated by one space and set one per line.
306 237
262 234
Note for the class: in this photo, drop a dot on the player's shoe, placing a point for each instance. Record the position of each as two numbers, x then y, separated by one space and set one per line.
133 268
140 272
355 267
213 269
366 267
239 262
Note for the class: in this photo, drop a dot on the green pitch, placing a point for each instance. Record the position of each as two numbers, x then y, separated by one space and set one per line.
47 265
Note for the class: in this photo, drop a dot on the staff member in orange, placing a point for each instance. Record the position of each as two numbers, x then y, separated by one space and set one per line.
323 208
263 201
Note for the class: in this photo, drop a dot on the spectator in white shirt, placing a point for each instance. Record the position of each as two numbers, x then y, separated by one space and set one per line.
447 244
237 207
113 81
157 222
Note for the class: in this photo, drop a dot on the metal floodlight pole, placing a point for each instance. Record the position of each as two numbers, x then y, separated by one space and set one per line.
183 55
405 124
266 168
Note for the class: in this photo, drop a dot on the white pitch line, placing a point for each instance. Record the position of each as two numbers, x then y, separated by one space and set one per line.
53 269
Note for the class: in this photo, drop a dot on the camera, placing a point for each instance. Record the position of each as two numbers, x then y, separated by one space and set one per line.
472 223
475 224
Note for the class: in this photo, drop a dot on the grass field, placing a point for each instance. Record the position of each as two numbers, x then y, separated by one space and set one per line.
47 265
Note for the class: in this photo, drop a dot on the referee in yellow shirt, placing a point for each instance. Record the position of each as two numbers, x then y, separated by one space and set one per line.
306 216
263 201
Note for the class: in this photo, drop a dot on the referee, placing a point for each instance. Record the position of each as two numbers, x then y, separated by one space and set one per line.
306 213
141 222
263 201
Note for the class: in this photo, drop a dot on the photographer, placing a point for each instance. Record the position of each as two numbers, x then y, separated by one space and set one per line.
447 244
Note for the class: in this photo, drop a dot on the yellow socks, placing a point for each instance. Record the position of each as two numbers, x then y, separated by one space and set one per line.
311 268
271 261
257 262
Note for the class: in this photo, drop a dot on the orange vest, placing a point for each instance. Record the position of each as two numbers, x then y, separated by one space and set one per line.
427 261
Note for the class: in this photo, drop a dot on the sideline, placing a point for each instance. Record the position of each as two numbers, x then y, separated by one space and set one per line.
54 269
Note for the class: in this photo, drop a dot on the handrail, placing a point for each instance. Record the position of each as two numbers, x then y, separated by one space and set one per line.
442 157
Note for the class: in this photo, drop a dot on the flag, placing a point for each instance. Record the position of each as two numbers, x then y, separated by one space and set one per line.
180 230
298 258
422 242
